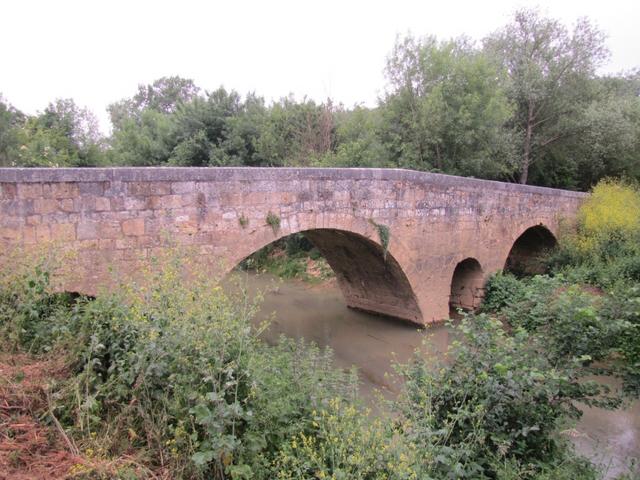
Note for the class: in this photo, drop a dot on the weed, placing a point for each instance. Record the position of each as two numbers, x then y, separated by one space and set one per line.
274 221
384 234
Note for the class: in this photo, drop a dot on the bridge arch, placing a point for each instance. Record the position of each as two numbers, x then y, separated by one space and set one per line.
369 276
467 284
526 251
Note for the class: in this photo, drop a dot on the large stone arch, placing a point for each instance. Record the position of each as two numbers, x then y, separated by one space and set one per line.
370 278
527 248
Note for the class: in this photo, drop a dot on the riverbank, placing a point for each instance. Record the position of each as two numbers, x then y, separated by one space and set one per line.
373 344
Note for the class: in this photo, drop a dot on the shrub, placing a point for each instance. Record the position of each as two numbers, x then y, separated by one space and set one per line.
613 206
496 400
501 290
606 248
274 221
342 443
622 306
175 370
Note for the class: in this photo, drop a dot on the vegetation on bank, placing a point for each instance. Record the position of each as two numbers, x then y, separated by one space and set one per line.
291 257
171 379
523 104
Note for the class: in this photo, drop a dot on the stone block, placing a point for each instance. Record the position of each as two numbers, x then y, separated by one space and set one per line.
60 190
87 230
117 203
29 190
133 227
109 229
146 189
43 233
162 202
33 219
11 234
91 188
8 191
45 205
29 235
67 205
63 232
183 187
102 204
134 203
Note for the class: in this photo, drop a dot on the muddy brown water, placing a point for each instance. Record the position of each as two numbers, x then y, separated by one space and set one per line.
372 344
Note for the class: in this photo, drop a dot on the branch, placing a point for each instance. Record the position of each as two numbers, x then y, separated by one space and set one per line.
553 139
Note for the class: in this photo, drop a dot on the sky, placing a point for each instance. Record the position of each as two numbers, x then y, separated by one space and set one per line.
98 52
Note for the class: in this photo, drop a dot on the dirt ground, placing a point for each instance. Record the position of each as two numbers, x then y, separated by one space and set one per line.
31 447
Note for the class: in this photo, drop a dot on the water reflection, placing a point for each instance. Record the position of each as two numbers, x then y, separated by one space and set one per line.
371 343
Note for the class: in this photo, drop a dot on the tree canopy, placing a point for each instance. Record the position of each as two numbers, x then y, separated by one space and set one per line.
525 104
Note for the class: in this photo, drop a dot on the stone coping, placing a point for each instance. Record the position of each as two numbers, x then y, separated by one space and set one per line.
189 174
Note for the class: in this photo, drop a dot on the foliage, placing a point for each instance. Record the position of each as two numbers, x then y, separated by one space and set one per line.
63 135
11 120
144 141
446 109
605 250
549 71
176 371
612 207
164 95
622 306
290 257
384 235
496 400
342 443
273 220
502 289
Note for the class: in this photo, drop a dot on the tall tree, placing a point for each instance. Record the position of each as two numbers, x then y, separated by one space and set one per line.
549 70
446 109
11 121
164 95
63 135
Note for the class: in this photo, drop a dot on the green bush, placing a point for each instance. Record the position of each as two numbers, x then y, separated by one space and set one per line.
622 306
501 290
287 258
343 443
175 371
496 400
27 305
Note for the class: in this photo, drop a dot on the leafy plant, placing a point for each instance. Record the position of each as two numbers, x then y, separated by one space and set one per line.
501 290
495 399
384 235
274 221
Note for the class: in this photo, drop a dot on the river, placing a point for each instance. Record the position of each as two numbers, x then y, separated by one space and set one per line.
318 314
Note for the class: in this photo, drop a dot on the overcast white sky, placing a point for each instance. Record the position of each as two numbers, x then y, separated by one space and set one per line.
97 52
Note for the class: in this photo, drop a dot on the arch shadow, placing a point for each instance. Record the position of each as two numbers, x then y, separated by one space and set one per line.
369 277
467 285
527 252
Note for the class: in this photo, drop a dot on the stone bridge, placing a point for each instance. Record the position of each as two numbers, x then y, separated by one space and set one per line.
402 243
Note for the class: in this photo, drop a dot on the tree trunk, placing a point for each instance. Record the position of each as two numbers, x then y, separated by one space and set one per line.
526 151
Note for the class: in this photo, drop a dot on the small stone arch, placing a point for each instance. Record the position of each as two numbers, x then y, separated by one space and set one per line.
527 251
467 285
370 278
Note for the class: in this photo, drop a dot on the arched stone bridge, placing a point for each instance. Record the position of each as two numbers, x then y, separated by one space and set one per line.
445 233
